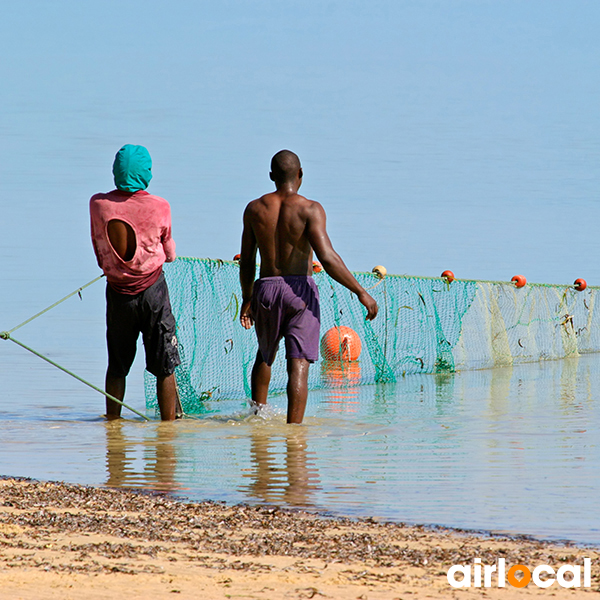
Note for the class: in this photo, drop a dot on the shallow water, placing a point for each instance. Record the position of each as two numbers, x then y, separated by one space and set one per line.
510 449
461 136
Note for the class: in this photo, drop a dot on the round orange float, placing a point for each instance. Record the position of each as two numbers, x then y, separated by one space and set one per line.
317 267
580 284
448 276
237 257
341 343
519 281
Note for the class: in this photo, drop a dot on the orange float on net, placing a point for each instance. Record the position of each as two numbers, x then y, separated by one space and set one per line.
448 276
317 267
341 343
580 284
519 281
237 258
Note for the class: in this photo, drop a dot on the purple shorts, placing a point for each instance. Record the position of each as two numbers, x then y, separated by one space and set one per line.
287 307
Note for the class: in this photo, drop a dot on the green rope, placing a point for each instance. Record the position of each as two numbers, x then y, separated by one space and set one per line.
5 335
77 291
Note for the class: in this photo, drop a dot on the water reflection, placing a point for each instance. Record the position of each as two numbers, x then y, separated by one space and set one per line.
444 388
568 384
341 379
283 469
384 399
149 463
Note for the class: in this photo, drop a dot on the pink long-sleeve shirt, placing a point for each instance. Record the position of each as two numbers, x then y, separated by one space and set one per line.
150 218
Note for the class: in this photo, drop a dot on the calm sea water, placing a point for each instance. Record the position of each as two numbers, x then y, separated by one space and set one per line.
511 449
437 135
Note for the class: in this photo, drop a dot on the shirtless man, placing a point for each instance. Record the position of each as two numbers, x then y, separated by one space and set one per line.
286 227
131 235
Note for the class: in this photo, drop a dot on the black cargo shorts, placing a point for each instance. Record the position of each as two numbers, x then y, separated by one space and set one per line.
148 313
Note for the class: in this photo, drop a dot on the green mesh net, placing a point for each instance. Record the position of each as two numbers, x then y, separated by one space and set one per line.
425 325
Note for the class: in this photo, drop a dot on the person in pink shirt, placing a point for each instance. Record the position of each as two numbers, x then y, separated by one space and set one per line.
131 235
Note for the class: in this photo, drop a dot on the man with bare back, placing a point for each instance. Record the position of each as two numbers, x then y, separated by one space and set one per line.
286 227
131 235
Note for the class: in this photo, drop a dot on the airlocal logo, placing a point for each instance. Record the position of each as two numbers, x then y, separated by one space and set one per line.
480 575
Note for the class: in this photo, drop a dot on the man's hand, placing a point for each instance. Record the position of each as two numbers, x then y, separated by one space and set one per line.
246 318
369 304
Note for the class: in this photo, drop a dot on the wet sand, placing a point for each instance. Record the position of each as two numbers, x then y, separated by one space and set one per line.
65 542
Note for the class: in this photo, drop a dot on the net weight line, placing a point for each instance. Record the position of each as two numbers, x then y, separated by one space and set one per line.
6 335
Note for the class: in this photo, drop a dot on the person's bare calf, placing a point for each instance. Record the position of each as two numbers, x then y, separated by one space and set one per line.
259 381
297 388
115 386
166 391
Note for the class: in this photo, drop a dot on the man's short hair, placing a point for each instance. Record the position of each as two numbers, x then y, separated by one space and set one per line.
285 165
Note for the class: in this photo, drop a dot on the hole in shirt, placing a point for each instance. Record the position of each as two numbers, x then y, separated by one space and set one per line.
122 239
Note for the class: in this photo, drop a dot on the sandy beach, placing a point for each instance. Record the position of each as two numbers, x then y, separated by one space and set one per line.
65 542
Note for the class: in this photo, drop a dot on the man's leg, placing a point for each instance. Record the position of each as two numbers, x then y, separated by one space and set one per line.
166 390
115 386
297 388
121 340
261 376
160 342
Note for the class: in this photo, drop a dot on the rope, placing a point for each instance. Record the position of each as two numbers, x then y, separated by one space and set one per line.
5 335
381 280
12 339
77 291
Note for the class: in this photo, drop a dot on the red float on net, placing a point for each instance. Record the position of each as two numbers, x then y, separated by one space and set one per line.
317 267
580 284
448 276
519 281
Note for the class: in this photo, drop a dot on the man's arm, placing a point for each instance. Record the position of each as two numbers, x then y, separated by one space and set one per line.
93 232
247 269
168 243
332 262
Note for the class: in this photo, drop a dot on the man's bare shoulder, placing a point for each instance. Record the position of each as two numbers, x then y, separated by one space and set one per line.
297 203
304 205
311 209
259 203
313 205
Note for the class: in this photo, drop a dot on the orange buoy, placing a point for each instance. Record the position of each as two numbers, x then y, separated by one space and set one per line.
448 276
237 258
317 267
341 343
519 281
380 271
580 284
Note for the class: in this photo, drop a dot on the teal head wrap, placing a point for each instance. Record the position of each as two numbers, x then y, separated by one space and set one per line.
132 168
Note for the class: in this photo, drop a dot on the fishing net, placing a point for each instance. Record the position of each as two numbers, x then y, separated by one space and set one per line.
425 325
